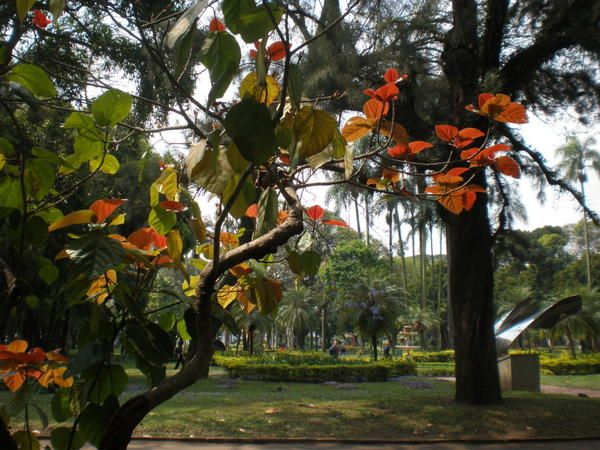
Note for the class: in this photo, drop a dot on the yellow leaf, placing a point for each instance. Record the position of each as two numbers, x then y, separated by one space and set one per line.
357 127
166 184
102 286
174 246
198 228
315 129
2 161
266 94
227 294
81 217
119 220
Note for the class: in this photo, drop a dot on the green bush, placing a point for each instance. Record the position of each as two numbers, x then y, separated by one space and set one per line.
443 369
431 357
584 366
239 367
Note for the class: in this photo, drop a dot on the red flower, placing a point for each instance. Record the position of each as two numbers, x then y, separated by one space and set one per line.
40 20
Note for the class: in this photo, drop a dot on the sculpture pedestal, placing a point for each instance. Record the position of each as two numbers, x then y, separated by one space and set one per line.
519 372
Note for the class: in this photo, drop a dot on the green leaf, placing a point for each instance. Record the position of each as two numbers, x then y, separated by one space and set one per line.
41 414
79 121
182 330
151 342
48 273
60 439
235 158
251 21
23 7
249 124
110 165
185 21
34 79
200 170
36 230
10 193
306 263
246 197
32 301
87 356
94 419
39 178
315 129
167 320
95 253
56 8
267 212
161 220
295 86
183 50
6 147
111 107
221 55
111 380
26 440
61 405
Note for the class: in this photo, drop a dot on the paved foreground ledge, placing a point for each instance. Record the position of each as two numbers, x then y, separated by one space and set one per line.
162 444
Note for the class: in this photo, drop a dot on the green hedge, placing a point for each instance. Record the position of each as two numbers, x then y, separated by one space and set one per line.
584 366
432 357
314 373
443 369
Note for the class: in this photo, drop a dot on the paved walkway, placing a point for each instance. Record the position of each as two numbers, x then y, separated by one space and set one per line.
550 445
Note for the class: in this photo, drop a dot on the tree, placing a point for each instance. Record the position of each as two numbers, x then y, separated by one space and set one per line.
297 315
575 158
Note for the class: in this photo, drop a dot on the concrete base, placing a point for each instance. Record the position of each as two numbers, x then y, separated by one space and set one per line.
520 372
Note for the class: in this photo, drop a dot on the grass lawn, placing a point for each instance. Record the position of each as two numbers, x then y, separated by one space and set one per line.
413 408
574 381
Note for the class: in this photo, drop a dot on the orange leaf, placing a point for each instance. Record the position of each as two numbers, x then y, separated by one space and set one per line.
470 133
391 76
216 26
469 199
397 131
356 128
81 217
455 202
457 171
315 212
146 238
398 151
447 179
468 154
387 92
391 175
282 216
513 113
335 222
105 207
18 346
277 51
483 98
418 146
374 108
229 239
172 206
507 166
252 211
446 133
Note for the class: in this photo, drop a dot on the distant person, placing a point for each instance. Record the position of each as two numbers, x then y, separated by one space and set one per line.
342 350
333 350
387 350
179 353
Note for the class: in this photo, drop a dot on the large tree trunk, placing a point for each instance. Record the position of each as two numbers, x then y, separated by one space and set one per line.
469 238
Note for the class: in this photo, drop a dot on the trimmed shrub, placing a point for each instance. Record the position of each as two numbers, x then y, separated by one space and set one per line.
249 368
436 369
432 357
584 366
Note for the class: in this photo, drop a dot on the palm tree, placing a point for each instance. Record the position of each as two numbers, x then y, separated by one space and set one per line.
297 314
346 196
576 157
375 306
